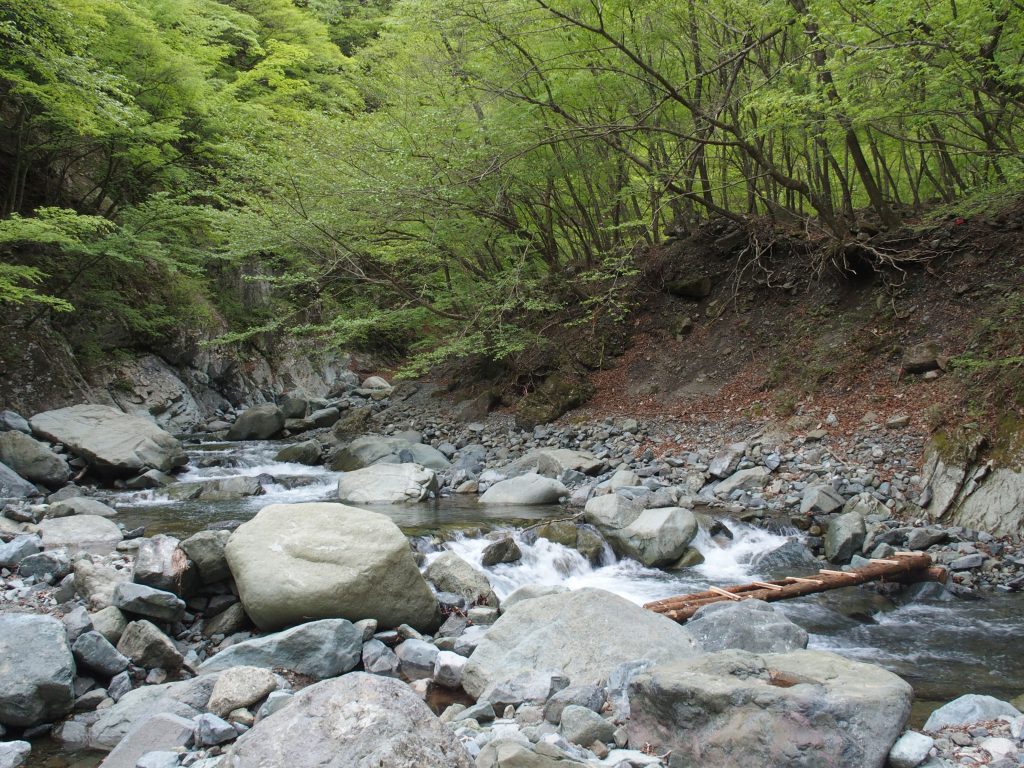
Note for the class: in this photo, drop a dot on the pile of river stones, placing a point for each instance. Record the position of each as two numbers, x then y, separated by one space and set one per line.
316 634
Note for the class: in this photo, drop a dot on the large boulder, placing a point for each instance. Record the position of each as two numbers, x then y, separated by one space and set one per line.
387 484
96 582
261 422
803 709
845 537
114 443
296 562
206 550
37 670
969 709
14 486
33 460
319 649
528 489
553 462
161 563
80 533
654 537
583 635
368 450
750 625
353 721
80 505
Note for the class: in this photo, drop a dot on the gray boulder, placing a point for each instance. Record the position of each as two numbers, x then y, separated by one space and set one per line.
969 709
261 422
18 548
160 734
387 484
93 651
368 450
910 750
240 687
416 659
504 550
162 564
110 623
583 726
450 573
14 486
80 505
820 499
582 635
510 753
11 421
553 462
845 537
355 720
528 489
804 709
140 600
531 591
37 670
751 625
33 460
744 480
319 649
49 566
114 443
612 511
206 550
96 583
588 696
655 537
293 562
186 699
81 533
13 754
148 647
217 489
306 452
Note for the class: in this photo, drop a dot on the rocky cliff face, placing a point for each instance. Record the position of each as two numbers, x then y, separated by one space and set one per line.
179 386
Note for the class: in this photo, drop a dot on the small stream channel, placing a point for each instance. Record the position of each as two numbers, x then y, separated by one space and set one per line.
944 647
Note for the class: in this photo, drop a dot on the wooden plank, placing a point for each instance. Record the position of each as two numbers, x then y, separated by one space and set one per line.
905 567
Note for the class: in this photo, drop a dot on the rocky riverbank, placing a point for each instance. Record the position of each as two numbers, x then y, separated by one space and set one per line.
321 618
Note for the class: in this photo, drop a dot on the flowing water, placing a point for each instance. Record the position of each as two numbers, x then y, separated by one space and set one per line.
943 647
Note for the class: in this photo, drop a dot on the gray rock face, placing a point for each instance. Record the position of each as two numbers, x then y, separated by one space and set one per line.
306 452
387 484
582 635
114 443
160 563
528 489
33 460
329 560
140 600
791 558
206 550
751 625
93 651
368 450
845 537
378 659
260 422
450 573
14 486
186 699
969 708
81 533
319 649
148 647
211 730
37 670
18 548
803 709
355 720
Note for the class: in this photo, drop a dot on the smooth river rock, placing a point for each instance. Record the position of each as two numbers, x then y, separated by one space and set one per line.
80 533
802 709
33 460
296 562
355 721
582 635
260 422
114 443
387 484
528 489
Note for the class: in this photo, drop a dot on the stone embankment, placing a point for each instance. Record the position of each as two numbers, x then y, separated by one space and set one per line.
321 620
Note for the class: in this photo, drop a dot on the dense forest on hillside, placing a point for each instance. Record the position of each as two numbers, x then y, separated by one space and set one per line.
444 176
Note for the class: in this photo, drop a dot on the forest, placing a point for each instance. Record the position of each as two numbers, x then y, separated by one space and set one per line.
444 177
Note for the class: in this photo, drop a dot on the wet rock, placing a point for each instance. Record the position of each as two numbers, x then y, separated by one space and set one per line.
387 484
219 489
33 460
358 719
341 562
827 709
114 443
450 573
306 452
751 625
504 550
528 489
260 422
36 670
318 649
558 634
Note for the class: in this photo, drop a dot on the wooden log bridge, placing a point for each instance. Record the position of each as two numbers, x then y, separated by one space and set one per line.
903 567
